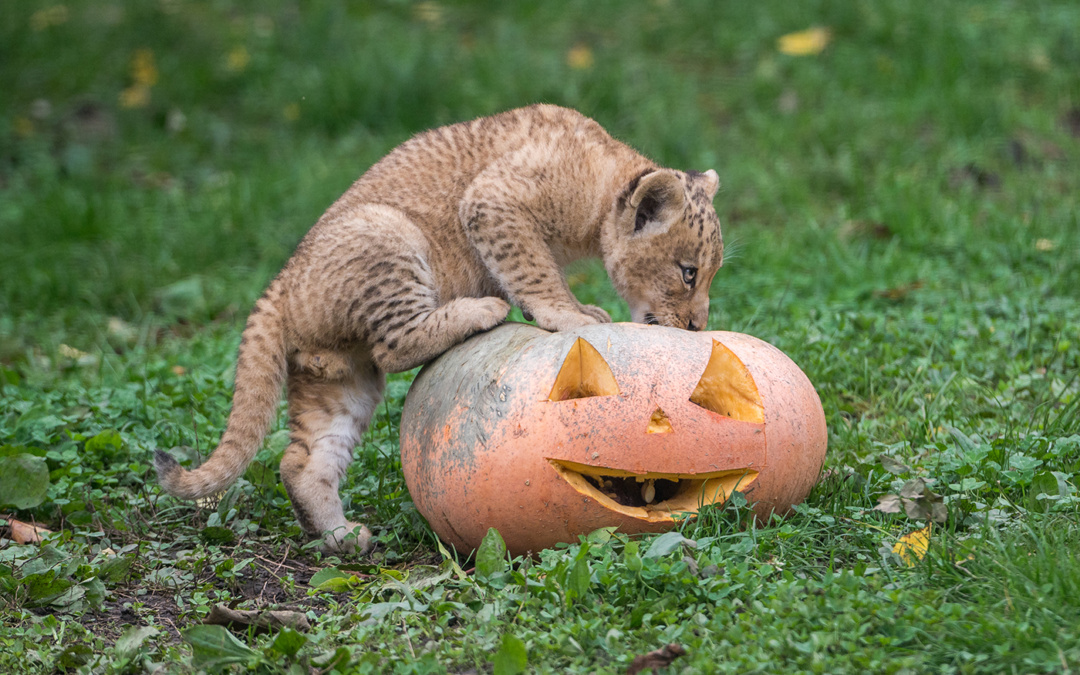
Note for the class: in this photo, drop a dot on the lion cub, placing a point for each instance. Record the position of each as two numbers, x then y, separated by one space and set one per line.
431 245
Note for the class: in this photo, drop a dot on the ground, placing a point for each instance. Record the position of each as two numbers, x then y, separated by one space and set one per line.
900 206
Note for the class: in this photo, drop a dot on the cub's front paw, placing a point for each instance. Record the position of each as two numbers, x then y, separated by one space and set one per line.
565 320
597 313
485 313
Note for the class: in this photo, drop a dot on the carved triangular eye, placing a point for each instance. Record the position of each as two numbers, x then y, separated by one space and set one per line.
584 373
727 388
659 424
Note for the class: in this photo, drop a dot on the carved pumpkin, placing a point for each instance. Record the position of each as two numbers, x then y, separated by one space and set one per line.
546 436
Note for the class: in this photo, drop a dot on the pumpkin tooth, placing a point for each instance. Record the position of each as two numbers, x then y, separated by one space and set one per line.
648 491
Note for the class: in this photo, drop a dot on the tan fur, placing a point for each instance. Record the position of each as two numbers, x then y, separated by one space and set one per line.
430 246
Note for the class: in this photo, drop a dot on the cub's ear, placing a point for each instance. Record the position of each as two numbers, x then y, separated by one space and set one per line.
658 201
712 182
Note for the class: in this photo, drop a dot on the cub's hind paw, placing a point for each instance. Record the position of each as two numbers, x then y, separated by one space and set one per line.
324 365
351 538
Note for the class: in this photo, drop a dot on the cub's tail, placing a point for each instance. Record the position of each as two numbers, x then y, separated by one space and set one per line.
260 373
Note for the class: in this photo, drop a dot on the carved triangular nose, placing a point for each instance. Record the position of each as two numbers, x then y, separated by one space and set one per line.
659 424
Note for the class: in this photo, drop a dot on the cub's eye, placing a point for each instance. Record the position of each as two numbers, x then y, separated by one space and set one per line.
689 275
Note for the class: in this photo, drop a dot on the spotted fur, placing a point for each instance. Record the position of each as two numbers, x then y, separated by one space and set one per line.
431 245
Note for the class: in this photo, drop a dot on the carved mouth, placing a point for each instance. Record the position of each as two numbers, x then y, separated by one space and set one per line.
653 497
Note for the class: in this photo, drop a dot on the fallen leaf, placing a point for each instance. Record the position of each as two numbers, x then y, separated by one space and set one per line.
913 489
121 330
428 12
656 659
48 17
238 59
1071 121
143 68
221 615
136 96
91 122
1018 152
805 42
865 228
921 503
912 546
1045 245
889 504
973 173
579 57
788 102
24 533
893 466
24 127
898 293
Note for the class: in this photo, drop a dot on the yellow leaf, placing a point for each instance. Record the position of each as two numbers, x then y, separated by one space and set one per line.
143 69
238 59
291 112
580 58
24 128
50 16
428 12
912 546
135 97
805 42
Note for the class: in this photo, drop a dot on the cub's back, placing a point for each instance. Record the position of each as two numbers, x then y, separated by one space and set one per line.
427 175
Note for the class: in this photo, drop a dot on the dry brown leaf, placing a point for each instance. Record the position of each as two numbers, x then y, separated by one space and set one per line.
265 618
656 659
900 292
1071 121
24 533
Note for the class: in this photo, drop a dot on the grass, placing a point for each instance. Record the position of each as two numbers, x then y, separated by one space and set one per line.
901 214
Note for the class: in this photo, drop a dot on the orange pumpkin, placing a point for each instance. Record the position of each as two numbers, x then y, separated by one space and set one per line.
546 436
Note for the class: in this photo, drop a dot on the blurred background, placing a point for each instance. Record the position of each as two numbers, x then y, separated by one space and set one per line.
165 156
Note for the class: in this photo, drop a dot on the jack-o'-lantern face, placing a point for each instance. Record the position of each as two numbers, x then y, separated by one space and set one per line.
547 436
725 394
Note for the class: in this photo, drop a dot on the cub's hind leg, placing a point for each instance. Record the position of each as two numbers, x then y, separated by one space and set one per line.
430 329
327 418
391 298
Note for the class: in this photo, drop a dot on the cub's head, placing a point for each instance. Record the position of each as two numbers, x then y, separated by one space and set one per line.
662 246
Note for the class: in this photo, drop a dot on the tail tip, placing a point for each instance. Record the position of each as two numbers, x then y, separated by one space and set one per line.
167 467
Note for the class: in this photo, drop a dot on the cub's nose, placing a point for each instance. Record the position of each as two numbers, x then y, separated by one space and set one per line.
692 326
